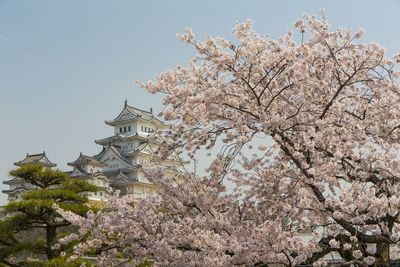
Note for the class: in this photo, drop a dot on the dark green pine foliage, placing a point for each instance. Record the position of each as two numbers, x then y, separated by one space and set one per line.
32 228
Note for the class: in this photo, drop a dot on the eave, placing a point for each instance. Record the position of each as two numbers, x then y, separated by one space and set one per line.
118 137
36 159
44 164
15 189
108 172
14 180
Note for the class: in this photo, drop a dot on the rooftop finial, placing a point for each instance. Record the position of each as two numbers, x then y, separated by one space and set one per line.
126 102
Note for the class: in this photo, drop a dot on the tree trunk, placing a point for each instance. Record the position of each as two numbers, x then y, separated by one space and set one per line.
384 257
51 234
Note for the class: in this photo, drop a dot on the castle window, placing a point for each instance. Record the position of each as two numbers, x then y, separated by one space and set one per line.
124 129
147 129
120 129
129 128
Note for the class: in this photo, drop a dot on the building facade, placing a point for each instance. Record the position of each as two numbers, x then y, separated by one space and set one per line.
121 163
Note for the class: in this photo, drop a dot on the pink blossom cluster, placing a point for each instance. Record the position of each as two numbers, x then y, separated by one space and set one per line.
326 112
190 222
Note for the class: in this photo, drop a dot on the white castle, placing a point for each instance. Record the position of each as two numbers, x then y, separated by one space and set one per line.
121 162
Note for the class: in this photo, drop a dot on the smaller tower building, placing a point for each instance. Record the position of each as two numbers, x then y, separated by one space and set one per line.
89 169
19 185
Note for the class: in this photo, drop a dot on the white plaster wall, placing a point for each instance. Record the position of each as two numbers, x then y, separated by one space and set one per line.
145 124
132 131
91 168
112 165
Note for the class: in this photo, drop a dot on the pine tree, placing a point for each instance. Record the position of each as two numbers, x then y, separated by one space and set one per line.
32 227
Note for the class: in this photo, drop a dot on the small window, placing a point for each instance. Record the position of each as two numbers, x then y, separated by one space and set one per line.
120 129
124 129
101 194
129 128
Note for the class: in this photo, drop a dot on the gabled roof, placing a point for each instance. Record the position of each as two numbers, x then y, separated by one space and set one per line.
116 151
83 159
100 155
78 172
141 148
37 159
130 113
120 178
13 180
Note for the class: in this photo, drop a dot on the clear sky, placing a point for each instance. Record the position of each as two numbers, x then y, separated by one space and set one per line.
66 66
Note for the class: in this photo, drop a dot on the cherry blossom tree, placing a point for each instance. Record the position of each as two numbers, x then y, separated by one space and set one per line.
319 111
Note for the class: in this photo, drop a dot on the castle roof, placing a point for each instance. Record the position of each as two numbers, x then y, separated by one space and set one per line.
83 159
130 113
119 137
41 159
14 180
20 188
116 152
80 172
119 178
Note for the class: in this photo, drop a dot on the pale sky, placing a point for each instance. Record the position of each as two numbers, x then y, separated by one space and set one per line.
66 66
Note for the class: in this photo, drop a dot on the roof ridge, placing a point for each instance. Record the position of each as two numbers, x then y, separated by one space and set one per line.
113 147
35 155
115 150
139 109
87 156
84 158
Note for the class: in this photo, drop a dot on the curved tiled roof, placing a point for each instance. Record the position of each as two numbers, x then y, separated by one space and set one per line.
130 113
119 178
119 137
20 188
83 159
37 159
117 151
15 179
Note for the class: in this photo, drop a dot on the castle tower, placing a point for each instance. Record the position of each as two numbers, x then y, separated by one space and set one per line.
121 163
127 153
18 185
89 169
